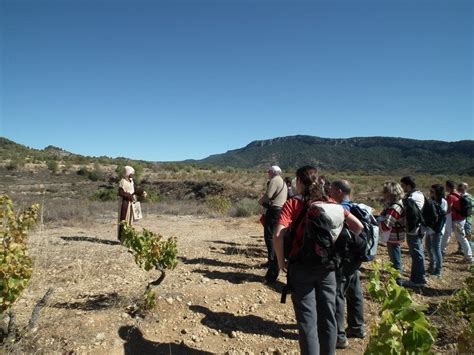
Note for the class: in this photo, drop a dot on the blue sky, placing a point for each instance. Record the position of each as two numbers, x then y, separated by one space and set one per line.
173 80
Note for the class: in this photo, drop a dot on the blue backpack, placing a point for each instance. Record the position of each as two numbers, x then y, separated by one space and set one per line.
364 246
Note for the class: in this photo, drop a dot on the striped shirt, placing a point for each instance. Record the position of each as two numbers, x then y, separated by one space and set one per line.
394 222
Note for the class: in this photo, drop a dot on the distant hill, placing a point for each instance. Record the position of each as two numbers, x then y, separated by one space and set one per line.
21 154
371 155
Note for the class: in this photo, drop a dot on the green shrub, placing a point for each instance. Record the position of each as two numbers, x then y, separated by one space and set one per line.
95 175
245 208
152 196
461 304
53 166
403 327
106 194
219 204
149 250
16 164
15 263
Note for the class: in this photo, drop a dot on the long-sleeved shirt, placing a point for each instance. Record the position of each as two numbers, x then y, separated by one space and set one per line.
276 192
394 222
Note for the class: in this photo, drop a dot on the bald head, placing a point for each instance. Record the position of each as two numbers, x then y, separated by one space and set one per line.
341 190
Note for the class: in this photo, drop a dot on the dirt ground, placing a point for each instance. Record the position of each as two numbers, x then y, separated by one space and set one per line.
215 301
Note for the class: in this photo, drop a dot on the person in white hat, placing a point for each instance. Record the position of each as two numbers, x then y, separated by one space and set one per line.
128 195
273 200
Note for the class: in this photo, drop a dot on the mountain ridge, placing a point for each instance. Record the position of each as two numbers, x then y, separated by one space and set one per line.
369 154
363 154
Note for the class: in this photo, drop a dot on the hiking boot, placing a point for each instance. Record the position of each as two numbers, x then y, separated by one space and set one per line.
360 334
411 284
342 344
272 275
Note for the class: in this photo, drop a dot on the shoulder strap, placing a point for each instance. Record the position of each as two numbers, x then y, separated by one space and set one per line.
279 192
301 215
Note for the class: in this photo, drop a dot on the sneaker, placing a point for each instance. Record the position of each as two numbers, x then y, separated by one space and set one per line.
411 284
361 334
342 344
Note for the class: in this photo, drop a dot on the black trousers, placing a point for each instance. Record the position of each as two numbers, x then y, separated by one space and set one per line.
271 218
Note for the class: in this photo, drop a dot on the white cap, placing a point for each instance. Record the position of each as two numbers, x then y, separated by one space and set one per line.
275 169
128 170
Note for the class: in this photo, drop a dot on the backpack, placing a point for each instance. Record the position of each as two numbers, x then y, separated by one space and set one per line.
363 247
413 215
290 235
438 227
431 213
465 206
318 245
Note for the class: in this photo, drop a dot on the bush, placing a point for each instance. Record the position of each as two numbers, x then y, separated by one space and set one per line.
461 304
83 171
15 263
94 175
148 248
105 194
53 166
16 164
245 208
403 327
219 204
152 196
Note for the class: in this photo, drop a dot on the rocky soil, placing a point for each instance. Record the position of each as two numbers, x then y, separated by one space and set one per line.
215 301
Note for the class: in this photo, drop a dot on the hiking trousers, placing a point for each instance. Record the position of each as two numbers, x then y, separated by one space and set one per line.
271 219
415 247
313 292
349 292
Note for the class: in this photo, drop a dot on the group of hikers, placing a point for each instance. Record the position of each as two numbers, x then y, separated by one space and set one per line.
319 237
316 234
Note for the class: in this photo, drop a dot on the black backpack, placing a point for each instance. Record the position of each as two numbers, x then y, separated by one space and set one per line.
465 206
438 227
413 215
317 245
364 245
431 213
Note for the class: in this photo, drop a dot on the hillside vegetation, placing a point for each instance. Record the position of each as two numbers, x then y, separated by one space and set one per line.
369 155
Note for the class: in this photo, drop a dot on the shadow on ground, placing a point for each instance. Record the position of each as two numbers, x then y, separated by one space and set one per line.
234 244
92 302
249 252
239 278
137 344
249 324
214 262
90 240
